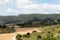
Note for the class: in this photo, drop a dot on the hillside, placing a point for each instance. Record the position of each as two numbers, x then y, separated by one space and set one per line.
25 17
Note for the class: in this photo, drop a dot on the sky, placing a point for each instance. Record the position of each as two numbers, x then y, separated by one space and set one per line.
16 7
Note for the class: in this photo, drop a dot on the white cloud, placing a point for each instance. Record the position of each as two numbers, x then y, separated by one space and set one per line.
3 2
27 6
23 3
51 6
10 10
10 1
57 12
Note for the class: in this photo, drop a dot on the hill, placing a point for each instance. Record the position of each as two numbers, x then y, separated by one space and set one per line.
25 17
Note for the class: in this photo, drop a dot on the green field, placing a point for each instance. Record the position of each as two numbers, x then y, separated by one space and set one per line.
47 33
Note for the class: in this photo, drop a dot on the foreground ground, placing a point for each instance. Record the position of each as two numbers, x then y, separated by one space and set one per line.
11 36
54 29
51 32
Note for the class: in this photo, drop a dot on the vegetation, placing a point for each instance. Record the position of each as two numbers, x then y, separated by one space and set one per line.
49 23
51 32
5 29
25 17
34 31
27 20
18 37
26 35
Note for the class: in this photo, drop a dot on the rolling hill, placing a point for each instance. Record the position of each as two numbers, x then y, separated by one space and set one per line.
25 17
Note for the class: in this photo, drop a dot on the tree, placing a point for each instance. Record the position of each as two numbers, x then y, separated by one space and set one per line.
2 26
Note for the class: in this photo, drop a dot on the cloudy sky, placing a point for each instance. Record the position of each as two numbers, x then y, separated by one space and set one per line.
15 7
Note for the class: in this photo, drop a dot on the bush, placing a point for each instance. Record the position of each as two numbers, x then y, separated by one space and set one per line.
38 37
51 34
53 29
27 35
18 36
48 32
19 39
34 31
58 31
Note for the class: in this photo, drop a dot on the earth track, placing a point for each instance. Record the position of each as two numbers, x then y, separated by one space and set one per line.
11 36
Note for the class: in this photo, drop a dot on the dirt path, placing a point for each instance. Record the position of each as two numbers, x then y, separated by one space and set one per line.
7 36
25 30
11 36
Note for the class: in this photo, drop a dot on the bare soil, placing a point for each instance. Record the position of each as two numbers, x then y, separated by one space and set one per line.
10 36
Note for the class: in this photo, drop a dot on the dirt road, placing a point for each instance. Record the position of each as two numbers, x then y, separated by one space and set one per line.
7 36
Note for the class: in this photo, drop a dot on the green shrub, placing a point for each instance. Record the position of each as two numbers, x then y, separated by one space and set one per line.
27 35
51 34
38 37
48 32
34 31
19 39
58 31
18 36
53 29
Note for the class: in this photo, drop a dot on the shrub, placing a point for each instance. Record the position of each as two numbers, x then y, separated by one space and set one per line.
18 36
49 32
50 35
27 35
34 31
39 37
53 29
19 39
58 37
58 31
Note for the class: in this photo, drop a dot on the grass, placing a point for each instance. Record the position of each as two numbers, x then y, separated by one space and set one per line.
51 32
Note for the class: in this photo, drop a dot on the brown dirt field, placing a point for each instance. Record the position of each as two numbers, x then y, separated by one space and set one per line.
11 36
7 36
25 30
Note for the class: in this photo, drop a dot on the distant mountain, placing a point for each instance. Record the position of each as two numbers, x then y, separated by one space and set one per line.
25 17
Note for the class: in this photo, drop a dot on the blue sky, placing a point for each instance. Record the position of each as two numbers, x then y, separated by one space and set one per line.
16 7
47 1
